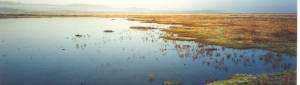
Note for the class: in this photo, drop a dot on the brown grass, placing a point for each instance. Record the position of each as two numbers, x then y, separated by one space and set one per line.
276 32
282 78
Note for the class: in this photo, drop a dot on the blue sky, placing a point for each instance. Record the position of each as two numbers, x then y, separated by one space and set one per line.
186 5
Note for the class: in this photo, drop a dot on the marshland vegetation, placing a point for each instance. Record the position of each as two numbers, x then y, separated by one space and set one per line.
276 32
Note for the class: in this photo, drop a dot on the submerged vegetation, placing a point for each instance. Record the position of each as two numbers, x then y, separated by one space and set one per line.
276 32
283 78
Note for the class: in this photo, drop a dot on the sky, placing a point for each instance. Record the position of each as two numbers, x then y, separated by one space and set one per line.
188 5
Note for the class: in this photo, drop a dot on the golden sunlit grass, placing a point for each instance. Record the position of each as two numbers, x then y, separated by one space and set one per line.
283 78
171 83
276 32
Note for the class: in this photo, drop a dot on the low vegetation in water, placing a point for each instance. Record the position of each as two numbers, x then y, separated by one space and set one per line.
78 35
276 32
171 83
283 78
108 31
178 38
142 28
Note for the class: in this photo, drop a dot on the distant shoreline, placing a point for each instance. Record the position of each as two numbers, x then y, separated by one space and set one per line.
119 14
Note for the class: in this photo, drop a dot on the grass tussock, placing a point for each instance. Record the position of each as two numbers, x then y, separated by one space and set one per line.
276 32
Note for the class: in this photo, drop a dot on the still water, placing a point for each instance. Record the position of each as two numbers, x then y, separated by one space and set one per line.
77 51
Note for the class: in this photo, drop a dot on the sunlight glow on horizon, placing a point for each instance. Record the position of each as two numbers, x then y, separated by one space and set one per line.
227 5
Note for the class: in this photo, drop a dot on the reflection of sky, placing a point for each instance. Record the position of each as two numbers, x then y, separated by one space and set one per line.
226 5
37 51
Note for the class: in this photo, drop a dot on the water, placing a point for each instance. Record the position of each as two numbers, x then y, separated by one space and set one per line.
46 51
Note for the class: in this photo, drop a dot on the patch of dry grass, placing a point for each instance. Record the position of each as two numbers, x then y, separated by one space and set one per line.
283 78
276 32
171 83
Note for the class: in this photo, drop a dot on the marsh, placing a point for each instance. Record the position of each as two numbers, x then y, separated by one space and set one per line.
77 51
